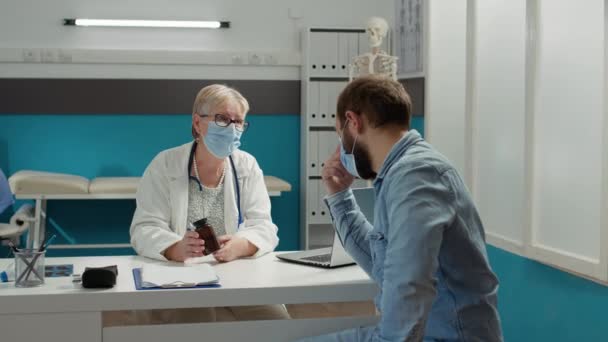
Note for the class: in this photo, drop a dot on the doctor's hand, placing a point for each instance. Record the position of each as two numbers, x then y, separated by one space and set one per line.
233 247
335 177
190 246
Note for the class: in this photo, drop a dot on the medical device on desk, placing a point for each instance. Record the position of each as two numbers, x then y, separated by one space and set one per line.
18 223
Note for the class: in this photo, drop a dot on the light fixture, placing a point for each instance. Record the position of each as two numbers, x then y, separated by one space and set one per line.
146 23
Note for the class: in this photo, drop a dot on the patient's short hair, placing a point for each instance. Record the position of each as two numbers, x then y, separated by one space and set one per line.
382 100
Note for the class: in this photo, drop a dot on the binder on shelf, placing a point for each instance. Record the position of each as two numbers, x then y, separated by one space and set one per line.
321 150
331 142
327 143
332 101
324 93
331 55
337 88
313 200
323 54
314 167
313 104
324 216
343 53
316 54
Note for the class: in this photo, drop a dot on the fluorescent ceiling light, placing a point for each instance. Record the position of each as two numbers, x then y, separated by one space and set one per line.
146 23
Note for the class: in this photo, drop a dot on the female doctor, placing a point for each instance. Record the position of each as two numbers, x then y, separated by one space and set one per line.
208 178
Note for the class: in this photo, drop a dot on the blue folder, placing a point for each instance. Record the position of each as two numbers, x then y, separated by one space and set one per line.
138 283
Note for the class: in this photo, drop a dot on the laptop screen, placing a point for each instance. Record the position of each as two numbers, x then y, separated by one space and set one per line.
365 199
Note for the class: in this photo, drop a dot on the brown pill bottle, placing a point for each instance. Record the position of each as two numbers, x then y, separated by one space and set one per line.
207 233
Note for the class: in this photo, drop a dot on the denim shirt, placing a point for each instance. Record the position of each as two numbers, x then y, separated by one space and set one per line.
425 249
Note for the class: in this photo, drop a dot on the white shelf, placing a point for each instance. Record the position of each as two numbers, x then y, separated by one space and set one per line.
333 48
52 55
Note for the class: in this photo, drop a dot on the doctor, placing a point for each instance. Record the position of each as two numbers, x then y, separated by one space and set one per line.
208 178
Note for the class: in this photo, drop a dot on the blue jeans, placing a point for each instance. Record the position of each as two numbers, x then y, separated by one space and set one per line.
358 334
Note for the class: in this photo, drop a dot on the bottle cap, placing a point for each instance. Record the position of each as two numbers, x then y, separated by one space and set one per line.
200 223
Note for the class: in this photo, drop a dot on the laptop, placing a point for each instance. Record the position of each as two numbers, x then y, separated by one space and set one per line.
336 255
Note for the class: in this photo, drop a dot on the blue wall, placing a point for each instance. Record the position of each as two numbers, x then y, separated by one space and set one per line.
539 303
536 302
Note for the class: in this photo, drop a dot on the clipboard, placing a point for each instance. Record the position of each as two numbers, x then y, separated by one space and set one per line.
138 284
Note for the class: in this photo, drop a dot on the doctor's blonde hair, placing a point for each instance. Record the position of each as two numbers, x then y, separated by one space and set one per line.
216 95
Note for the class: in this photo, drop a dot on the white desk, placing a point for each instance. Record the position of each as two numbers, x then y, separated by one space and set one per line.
61 311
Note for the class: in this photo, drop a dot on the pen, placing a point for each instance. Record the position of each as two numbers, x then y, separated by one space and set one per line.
47 243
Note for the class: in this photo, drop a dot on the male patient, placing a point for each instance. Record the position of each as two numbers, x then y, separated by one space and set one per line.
425 248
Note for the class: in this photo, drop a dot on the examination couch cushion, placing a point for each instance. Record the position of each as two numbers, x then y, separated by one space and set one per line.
114 185
26 182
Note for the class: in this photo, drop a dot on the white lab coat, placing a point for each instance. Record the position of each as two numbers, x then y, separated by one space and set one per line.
160 219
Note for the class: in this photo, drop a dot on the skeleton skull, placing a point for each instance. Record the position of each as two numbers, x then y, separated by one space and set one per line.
377 28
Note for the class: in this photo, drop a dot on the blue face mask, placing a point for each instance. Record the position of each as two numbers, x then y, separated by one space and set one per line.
348 160
222 141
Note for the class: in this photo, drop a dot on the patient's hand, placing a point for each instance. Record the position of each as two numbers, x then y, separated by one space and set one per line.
190 246
234 247
334 175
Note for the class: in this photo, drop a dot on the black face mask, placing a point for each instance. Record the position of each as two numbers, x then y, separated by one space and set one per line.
361 155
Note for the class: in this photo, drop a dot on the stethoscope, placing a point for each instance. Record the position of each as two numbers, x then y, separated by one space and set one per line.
234 174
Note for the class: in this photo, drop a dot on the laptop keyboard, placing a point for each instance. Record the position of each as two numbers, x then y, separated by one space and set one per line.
323 258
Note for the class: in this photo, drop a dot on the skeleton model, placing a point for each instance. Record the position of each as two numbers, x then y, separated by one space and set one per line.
377 61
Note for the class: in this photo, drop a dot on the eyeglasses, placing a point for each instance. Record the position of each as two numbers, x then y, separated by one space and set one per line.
224 121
